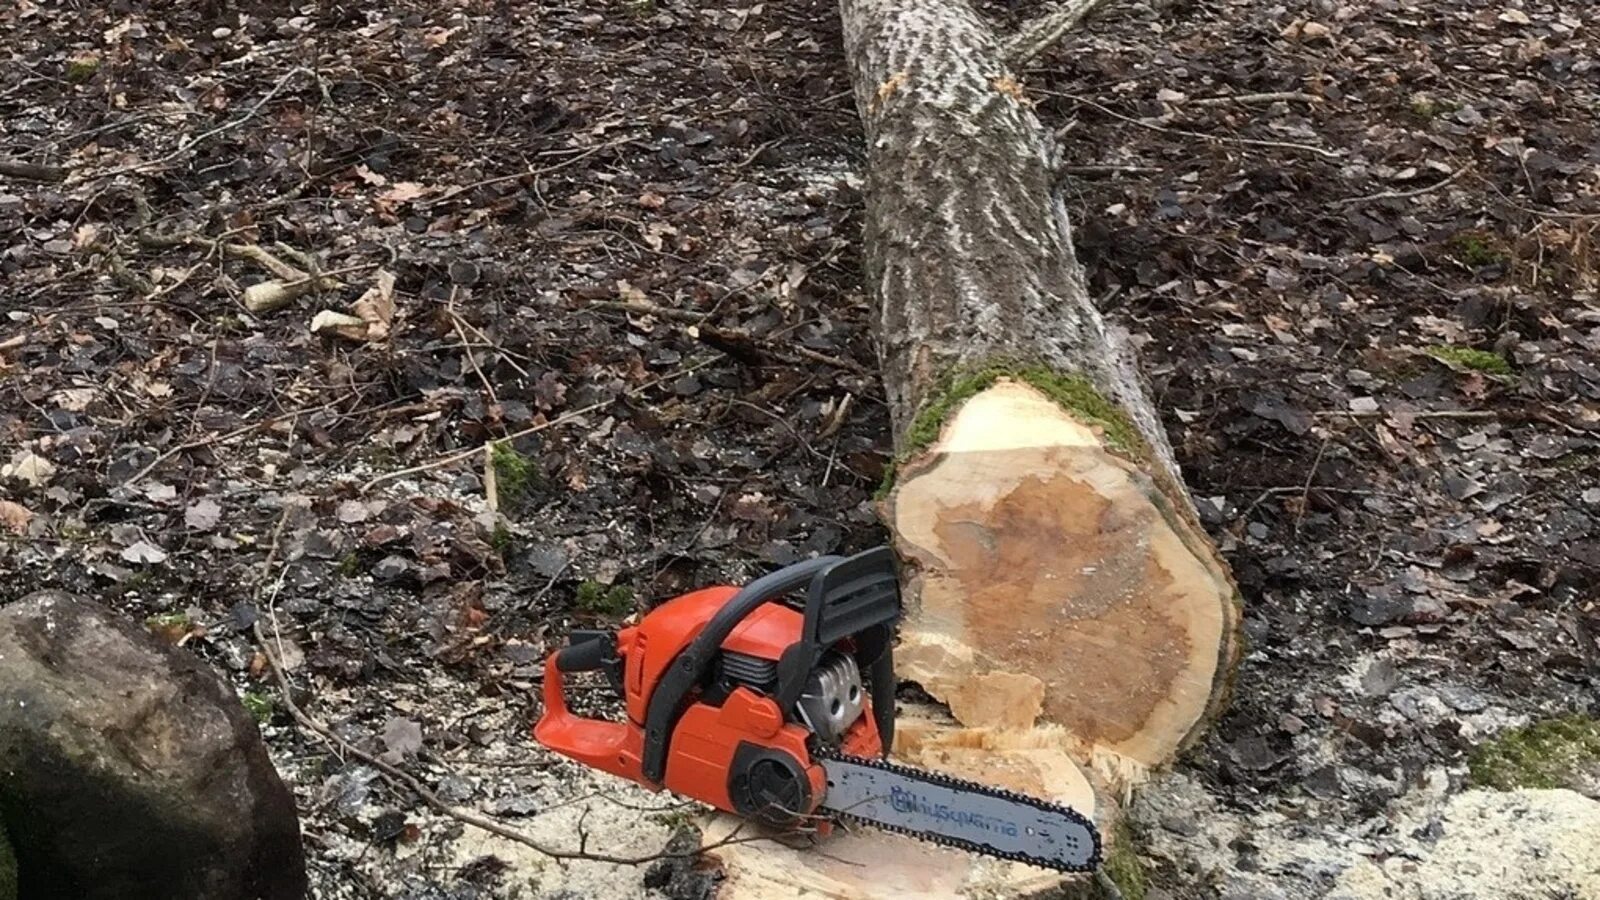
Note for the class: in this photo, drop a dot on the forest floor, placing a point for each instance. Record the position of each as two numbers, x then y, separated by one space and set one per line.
628 233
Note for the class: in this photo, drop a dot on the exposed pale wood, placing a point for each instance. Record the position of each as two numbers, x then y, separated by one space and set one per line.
1056 582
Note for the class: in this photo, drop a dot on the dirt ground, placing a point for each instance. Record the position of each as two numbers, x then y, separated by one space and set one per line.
1359 238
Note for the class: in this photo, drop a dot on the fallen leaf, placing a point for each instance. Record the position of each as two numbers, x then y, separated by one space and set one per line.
30 467
403 192
144 552
203 515
403 737
15 517
74 399
1515 17
342 324
353 511
376 307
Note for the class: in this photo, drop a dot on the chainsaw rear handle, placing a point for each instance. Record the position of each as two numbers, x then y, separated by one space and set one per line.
586 653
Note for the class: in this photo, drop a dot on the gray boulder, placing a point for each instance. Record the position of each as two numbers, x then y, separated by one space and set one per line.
128 770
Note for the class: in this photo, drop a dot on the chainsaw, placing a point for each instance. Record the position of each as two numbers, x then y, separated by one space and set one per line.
783 713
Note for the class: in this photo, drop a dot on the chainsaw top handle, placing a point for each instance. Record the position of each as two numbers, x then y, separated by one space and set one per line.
846 596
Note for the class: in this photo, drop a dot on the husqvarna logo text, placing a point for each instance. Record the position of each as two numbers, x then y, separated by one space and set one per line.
908 802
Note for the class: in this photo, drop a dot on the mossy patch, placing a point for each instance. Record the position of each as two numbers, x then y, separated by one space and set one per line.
516 476
82 67
1072 392
674 819
260 706
1122 864
1471 360
1476 249
170 627
502 540
1428 108
612 602
1553 753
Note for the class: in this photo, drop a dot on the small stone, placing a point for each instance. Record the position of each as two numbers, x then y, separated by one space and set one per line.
1364 404
1184 825
1463 699
515 805
1380 678
324 545
454 789
391 568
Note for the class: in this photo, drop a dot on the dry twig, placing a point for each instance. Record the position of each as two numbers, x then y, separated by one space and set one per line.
1252 142
232 435
26 171
189 145
730 342
1404 195
562 419
1039 35
1269 97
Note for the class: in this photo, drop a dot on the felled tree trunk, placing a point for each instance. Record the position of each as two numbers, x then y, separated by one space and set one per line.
1065 606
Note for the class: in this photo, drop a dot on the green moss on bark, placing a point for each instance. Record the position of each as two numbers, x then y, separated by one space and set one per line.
1073 392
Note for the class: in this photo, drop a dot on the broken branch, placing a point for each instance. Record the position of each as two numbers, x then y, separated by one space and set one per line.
1040 34
534 429
25 171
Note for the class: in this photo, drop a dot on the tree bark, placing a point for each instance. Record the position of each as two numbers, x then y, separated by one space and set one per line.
1064 605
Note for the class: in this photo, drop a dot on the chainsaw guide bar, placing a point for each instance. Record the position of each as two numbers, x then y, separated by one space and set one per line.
956 813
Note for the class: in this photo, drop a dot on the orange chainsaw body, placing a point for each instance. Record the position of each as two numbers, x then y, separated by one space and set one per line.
736 687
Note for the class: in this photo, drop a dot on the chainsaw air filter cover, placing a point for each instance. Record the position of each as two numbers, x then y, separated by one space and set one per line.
833 698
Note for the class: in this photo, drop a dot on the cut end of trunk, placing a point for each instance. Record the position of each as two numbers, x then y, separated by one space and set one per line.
1053 582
